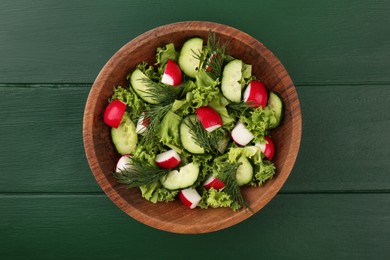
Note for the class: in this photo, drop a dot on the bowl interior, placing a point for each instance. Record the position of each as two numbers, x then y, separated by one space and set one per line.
174 217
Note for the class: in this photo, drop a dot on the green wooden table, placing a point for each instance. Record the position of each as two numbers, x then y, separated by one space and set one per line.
336 203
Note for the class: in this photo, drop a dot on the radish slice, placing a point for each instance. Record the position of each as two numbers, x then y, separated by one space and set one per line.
190 197
114 112
168 159
256 94
213 182
124 163
241 135
172 75
142 124
268 148
209 118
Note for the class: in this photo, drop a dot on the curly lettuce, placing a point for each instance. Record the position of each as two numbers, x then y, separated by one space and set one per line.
259 121
155 192
215 199
164 54
206 89
128 96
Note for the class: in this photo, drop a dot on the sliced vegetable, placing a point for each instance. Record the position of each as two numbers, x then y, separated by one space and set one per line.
114 112
139 82
168 159
268 148
188 61
213 182
276 105
186 136
124 163
125 137
231 76
209 118
256 94
241 135
244 172
182 178
190 197
142 124
172 75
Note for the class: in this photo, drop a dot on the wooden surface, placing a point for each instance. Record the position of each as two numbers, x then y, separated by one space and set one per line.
335 204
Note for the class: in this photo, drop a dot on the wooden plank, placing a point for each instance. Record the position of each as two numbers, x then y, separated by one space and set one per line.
322 41
42 145
344 146
292 226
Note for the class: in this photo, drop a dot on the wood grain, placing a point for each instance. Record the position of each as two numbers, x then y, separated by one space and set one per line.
102 156
321 41
309 226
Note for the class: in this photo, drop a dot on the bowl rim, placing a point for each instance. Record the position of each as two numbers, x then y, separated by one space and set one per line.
138 214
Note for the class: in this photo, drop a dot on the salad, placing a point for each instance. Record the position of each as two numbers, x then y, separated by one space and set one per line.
194 126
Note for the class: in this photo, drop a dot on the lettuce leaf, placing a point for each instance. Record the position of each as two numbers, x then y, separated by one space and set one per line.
155 192
129 97
164 54
264 171
219 106
215 199
259 121
169 129
148 70
205 89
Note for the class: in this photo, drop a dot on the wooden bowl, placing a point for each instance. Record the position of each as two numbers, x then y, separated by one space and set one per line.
173 216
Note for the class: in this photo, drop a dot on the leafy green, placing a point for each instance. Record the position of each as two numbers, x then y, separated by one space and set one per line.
155 192
148 70
205 89
259 121
129 97
215 199
227 120
169 129
164 54
264 171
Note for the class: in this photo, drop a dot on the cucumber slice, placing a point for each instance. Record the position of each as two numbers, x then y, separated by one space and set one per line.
186 136
275 103
231 81
182 178
244 172
137 80
125 137
187 61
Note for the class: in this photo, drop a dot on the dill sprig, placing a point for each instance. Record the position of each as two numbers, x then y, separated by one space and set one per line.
238 109
159 92
155 115
227 174
212 57
201 136
140 173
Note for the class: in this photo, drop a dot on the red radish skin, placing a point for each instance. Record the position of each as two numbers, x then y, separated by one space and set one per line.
209 118
256 94
213 182
123 163
268 148
172 75
189 197
168 159
114 112
241 135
